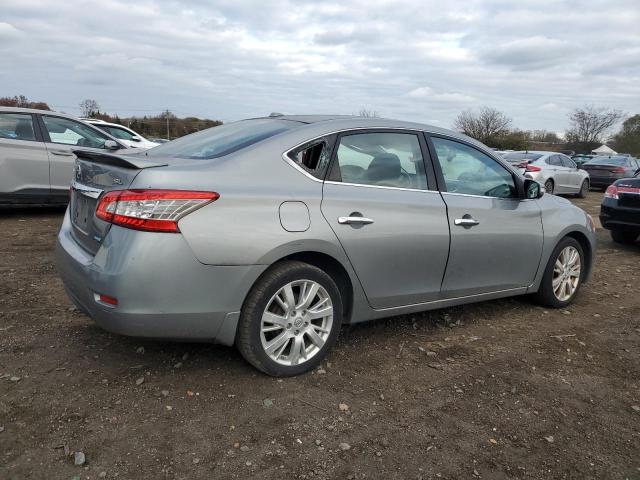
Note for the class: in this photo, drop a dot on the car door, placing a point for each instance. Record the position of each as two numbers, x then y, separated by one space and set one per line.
24 164
63 135
390 220
559 174
496 237
573 176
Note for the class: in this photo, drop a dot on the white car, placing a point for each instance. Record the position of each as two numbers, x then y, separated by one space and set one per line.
123 134
557 172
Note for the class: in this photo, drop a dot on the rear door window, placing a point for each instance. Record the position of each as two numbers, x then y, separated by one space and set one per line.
380 159
555 160
17 126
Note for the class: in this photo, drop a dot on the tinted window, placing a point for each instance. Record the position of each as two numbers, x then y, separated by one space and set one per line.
567 162
620 161
70 132
313 157
116 132
555 160
220 141
469 171
16 126
517 157
382 159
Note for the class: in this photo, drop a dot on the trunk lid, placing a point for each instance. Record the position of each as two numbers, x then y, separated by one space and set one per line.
96 173
629 192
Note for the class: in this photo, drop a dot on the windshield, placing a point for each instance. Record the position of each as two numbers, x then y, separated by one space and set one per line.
220 141
619 161
517 157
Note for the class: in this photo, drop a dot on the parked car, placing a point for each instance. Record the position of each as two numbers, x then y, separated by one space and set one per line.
557 172
271 233
36 154
123 134
604 170
620 209
581 159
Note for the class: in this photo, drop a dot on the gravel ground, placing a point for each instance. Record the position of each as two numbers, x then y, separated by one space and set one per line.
500 389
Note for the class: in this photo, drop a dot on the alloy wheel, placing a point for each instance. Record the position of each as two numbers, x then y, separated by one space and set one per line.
296 322
566 273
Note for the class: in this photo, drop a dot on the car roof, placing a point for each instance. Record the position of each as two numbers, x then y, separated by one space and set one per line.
35 110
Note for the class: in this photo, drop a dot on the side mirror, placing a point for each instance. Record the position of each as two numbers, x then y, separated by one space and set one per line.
136 139
111 145
532 189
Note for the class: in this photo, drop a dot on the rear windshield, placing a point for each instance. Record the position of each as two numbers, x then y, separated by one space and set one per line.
220 141
515 157
619 161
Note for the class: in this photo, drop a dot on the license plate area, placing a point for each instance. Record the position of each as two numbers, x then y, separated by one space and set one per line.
81 211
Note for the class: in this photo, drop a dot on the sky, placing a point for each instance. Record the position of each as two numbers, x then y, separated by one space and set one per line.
420 60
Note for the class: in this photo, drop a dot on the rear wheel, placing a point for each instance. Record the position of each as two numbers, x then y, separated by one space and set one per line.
548 186
624 236
290 319
584 189
563 275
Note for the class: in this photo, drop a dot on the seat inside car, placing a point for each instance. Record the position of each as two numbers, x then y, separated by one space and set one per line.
385 169
24 130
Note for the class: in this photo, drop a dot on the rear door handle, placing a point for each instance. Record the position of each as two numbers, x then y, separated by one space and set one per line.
354 220
466 222
62 153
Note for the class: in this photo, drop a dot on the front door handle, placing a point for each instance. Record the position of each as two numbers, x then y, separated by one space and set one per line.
62 153
466 222
354 220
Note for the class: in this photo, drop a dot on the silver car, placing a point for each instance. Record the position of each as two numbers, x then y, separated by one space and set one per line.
557 172
36 154
271 233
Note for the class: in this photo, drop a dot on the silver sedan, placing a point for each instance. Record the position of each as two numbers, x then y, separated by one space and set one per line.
271 233
557 172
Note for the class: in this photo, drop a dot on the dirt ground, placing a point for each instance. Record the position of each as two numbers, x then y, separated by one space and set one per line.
501 389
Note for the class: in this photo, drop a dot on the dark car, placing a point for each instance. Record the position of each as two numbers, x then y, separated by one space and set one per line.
620 209
581 159
604 170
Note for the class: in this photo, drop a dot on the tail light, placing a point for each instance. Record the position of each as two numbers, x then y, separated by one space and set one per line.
150 210
611 192
532 168
617 170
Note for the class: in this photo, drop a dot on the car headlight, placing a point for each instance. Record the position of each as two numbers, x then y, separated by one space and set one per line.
590 223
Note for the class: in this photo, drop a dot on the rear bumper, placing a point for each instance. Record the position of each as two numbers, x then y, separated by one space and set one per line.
596 181
162 290
619 218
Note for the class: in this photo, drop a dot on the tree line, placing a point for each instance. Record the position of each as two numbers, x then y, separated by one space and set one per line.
162 125
589 127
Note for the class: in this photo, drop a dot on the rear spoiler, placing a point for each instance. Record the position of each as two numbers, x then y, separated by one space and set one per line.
123 161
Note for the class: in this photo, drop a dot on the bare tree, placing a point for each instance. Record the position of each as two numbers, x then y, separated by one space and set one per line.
588 125
484 125
89 108
368 113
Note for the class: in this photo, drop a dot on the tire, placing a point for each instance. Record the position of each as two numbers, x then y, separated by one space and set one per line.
584 189
545 295
291 328
548 186
624 236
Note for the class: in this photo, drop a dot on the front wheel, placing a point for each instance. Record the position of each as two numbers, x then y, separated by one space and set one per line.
624 236
563 275
290 319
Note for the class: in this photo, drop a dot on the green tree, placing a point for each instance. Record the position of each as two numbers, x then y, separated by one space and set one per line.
627 140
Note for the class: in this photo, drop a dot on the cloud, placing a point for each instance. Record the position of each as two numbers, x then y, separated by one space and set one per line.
422 60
